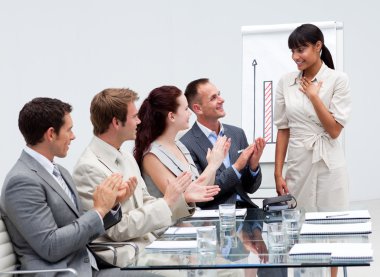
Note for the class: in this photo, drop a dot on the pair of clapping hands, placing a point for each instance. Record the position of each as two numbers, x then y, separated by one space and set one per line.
111 191
200 190
251 155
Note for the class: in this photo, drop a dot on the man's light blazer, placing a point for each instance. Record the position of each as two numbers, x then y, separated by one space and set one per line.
142 213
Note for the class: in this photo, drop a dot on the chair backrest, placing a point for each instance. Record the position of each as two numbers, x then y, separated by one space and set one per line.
7 254
8 260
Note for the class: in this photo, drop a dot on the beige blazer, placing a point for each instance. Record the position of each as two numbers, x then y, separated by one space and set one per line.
144 216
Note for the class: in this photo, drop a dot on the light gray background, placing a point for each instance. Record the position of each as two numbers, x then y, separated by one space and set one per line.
74 49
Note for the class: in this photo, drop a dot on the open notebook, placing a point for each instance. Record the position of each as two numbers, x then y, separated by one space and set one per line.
358 216
336 229
338 252
215 213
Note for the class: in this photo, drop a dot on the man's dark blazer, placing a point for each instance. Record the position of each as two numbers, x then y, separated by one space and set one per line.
46 228
230 185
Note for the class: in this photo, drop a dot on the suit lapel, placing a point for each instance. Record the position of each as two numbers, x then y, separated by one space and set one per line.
109 161
201 139
69 182
133 170
103 155
203 143
48 179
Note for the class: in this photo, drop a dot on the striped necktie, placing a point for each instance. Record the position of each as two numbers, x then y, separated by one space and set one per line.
63 184
67 190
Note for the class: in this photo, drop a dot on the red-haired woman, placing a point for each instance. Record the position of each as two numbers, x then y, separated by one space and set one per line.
162 157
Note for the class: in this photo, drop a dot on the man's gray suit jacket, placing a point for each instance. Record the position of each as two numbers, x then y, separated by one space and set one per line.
197 143
46 228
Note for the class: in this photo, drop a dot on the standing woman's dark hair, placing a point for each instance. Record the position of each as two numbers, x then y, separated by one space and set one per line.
153 113
310 34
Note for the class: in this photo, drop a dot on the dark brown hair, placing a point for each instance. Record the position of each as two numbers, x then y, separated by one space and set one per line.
40 114
191 91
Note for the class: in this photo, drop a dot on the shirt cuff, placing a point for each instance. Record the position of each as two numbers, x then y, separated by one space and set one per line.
238 174
100 217
254 173
114 211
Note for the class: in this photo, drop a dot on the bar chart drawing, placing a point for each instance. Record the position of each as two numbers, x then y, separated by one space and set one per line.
266 131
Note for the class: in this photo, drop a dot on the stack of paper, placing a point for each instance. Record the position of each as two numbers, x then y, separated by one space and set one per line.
352 251
173 245
336 229
338 217
336 251
215 213
181 231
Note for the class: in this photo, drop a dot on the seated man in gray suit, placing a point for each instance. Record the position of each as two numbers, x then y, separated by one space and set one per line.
39 202
240 172
114 119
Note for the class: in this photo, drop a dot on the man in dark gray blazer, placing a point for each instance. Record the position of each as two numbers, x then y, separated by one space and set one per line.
240 172
40 204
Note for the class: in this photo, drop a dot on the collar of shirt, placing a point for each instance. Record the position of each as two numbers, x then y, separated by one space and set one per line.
107 151
316 78
45 162
208 133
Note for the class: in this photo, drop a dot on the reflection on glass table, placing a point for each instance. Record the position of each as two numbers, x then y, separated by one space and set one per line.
244 247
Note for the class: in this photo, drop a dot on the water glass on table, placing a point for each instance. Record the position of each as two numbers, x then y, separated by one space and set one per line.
276 237
206 240
227 222
227 216
291 224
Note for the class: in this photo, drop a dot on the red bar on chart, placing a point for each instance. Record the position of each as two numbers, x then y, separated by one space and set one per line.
268 111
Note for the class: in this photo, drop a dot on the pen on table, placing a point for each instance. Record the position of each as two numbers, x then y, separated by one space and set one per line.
336 215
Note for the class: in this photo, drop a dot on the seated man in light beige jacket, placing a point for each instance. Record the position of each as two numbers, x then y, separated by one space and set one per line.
114 119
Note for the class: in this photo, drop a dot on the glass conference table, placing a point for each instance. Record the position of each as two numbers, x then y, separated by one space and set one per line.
246 251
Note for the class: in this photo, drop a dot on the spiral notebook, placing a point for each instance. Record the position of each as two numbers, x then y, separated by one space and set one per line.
359 216
337 252
336 229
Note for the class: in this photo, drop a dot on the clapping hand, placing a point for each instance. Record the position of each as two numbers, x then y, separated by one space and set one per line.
176 187
218 153
257 152
106 193
197 192
244 157
126 189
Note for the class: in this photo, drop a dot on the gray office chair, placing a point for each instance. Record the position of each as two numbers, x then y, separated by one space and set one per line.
112 246
8 261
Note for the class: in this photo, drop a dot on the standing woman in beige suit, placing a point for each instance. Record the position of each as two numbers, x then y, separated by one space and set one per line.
312 107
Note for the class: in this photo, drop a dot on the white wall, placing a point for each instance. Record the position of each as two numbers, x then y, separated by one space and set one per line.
73 49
